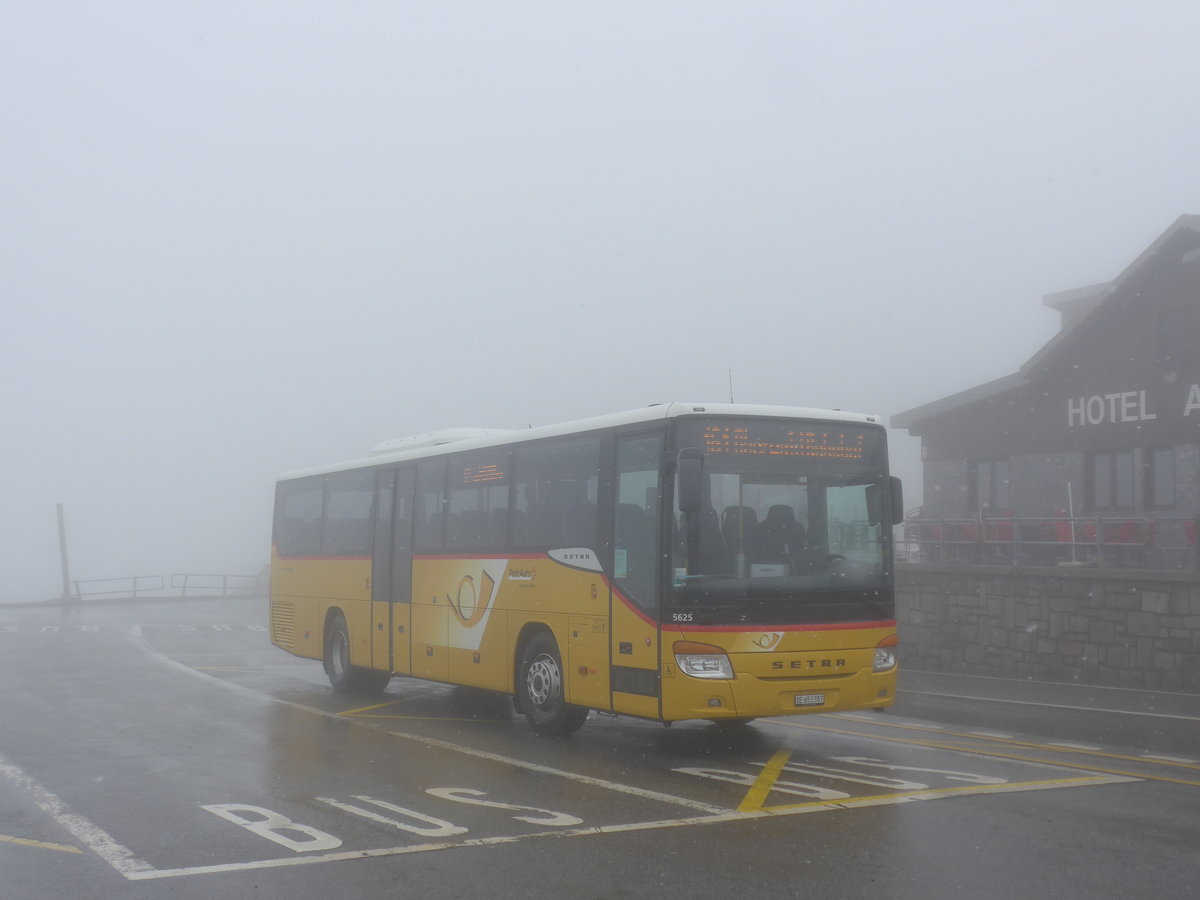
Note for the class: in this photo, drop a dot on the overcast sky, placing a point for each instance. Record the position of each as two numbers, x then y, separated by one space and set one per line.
238 238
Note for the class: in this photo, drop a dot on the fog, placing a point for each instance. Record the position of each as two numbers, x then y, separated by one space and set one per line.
240 239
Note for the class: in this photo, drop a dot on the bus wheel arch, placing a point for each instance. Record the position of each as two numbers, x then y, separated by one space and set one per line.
540 686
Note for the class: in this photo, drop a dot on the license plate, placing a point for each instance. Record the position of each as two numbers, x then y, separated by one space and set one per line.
810 699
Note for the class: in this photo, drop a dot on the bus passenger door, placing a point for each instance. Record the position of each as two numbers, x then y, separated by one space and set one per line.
634 599
391 571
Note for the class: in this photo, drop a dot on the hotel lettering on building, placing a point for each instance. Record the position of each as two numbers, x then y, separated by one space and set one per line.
1109 407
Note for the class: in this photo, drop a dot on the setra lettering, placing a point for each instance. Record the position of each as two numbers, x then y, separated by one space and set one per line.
810 664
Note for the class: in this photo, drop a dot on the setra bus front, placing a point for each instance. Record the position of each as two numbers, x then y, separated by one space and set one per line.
780 595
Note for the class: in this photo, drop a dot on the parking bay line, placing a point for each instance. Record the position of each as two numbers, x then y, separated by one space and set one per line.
1012 740
643 793
972 750
732 816
91 836
1090 709
716 815
586 779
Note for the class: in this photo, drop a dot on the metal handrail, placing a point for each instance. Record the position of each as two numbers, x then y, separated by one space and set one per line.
225 584
131 584
135 585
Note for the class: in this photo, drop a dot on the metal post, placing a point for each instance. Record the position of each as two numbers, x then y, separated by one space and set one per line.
1071 519
62 550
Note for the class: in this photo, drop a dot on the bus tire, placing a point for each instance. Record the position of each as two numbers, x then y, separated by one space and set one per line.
540 688
343 677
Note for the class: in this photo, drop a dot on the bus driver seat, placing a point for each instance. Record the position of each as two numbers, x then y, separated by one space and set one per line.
779 537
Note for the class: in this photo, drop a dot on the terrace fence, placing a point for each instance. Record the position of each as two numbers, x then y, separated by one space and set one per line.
1167 542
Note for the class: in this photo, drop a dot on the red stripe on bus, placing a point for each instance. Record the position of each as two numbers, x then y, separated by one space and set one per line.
439 556
323 558
835 626
630 605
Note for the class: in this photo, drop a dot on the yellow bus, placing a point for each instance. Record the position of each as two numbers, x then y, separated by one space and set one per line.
682 561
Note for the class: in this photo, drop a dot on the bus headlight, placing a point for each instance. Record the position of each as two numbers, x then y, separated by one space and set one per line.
702 660
885 654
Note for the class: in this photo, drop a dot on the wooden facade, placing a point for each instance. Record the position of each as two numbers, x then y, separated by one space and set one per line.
1105 419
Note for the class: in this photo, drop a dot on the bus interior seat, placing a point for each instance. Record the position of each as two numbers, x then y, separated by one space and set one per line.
779 536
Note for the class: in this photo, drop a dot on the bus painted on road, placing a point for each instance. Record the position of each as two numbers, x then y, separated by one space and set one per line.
682 561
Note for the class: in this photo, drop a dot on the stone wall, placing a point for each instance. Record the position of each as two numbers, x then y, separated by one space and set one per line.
1134 629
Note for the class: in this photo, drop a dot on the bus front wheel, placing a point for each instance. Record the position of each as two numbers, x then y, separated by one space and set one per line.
540 688
344 677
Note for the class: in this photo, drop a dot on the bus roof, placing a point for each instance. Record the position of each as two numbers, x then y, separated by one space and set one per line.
436 443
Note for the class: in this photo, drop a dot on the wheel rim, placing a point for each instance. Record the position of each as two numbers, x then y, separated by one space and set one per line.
339 654
543 682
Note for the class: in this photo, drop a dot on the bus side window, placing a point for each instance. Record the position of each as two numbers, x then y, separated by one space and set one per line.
430 517
298 517
346 528
556 487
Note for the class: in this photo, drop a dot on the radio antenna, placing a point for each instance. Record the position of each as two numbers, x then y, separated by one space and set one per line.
730 385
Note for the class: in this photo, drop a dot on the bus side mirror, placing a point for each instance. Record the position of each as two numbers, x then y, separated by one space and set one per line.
689 474
897 501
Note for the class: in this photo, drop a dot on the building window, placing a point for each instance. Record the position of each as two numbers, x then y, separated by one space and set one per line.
989 486
1160 478
1111 481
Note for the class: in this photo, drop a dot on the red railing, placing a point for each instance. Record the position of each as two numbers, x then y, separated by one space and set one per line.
1003 538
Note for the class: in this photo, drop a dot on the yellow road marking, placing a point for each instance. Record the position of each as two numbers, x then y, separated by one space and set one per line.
25 842
984 751
1056 748
423 718
935 793
753 801
355 712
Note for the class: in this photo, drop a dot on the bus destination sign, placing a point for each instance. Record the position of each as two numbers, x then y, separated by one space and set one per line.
482 474
755 439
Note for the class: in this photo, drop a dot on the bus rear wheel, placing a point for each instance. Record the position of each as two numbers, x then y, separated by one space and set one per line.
343 677
540 688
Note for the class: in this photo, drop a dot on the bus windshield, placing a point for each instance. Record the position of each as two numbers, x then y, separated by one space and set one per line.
791 516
